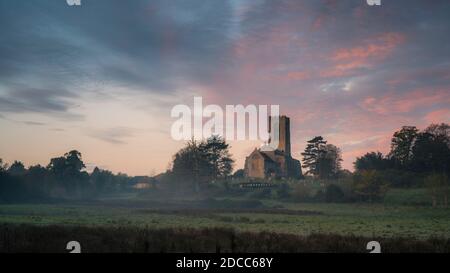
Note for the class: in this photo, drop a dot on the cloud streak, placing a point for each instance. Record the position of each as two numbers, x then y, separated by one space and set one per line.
341 69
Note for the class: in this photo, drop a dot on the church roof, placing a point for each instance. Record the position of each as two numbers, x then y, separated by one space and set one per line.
266 157
262 154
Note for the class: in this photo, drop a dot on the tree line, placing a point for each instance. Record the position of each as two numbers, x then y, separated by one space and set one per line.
426 151
64 177
416 159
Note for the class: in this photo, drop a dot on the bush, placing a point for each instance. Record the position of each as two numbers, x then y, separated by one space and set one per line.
334 194
282 191
401 178
301 192
439 188
369 186
15 189
407 197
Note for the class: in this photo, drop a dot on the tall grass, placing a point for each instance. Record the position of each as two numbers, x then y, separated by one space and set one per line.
28 238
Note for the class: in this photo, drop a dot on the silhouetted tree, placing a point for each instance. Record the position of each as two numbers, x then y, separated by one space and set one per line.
63 178
402 144
105 181
40 176
11 188
57 166
239 173
68 170
372 161
73 161
218 156
191 165
17 169
3 166
431 151
329 163
313 151
321 159
69 165
15 185
198 162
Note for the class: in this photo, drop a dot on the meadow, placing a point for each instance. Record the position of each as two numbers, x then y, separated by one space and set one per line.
404 215
390 219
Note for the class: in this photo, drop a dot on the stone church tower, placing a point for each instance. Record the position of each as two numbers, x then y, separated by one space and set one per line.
278 163
284 144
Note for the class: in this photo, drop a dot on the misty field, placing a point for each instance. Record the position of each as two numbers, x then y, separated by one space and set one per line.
370 220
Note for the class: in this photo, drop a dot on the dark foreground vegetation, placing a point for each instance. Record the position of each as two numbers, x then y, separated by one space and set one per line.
27 238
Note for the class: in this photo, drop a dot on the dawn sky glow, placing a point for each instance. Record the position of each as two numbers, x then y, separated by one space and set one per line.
102 78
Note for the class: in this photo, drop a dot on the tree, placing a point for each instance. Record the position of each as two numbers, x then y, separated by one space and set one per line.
329 161
321 159
217 153
369 185
431 151
74 163
14 187
440 132
41 176
190 164
313 151
103 181
17 169
69 165
3 166
198 162
68 170
239 173
11 188
57 166
438 188
402 144
371 161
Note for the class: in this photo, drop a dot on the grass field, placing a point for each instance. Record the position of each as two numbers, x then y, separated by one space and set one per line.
129 239
387 220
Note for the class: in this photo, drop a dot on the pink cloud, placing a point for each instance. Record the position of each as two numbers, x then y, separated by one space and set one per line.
378 47
346 61
438 116
407 102
441 73
299 75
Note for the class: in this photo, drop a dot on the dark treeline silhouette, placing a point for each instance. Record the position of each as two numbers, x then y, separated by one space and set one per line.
63 178
417 159
426 151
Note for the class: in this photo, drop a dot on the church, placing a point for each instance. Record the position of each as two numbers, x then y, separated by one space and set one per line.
278 163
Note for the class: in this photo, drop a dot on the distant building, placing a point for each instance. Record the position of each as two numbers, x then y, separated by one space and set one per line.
143 182
278 163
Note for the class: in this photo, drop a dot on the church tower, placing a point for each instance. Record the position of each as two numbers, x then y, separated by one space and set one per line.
284 129
279 163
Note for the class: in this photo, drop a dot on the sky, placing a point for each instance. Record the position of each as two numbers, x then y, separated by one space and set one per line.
103 77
